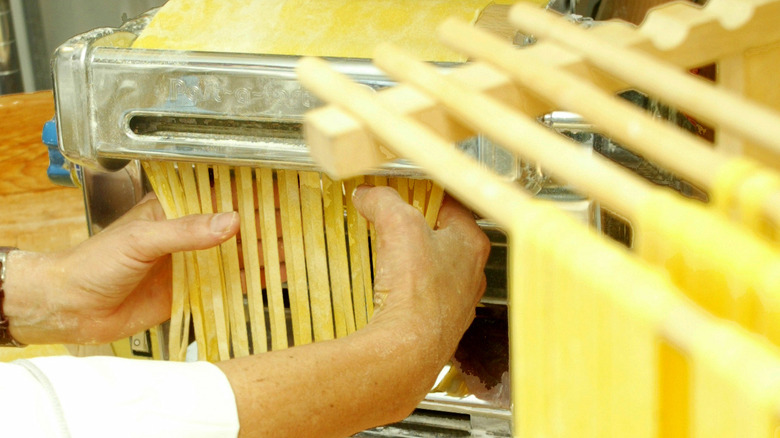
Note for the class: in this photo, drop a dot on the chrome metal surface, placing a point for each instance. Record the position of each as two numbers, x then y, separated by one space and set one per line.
108 195
117 104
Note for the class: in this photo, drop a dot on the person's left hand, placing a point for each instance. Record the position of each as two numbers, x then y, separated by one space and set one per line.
115 284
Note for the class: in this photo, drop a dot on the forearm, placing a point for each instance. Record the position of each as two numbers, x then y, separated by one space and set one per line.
336 388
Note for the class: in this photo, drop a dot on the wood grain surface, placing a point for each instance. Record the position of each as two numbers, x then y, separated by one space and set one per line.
35 214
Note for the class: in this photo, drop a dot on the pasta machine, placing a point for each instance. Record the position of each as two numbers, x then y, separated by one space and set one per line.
116 107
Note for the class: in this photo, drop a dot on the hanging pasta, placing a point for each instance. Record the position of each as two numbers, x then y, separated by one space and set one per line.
604 344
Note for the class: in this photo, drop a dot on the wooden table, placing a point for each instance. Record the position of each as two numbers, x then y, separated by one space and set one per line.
35 214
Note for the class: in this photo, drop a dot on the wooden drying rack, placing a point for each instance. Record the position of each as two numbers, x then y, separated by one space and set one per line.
580 70
551 75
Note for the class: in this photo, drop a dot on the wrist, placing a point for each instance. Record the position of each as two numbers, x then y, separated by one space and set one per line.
418 333
25 305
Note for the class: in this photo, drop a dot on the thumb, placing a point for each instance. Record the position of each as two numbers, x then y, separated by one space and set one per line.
149 240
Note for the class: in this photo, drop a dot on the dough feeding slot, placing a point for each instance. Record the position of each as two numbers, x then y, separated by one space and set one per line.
189 126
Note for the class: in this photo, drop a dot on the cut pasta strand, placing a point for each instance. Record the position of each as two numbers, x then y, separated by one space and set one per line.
200 298
250 252
292 230
273 276
235 297
337 257
184 263
360 269
316 262
221 350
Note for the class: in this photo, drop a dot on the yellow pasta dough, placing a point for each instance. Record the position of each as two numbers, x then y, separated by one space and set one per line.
755 192
727 180
741 191
605 346
338 28
584 325
720 266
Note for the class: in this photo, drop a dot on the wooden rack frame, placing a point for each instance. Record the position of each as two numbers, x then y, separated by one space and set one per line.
684 370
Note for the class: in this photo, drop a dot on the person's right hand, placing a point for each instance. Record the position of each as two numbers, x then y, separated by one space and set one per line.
427 285
431 278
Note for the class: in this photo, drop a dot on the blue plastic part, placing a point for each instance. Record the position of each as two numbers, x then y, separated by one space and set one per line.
59 170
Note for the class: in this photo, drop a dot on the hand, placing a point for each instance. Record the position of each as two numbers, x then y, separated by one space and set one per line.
113 285
432 278
427 284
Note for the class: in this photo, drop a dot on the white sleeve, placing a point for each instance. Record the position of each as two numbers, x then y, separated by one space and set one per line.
108 396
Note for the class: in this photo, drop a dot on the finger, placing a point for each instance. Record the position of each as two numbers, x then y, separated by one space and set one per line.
376 203
148 208
150 240
398 225
457 223
453 213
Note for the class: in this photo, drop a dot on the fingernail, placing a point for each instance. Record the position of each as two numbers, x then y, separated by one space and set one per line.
221 223
359 191
355 195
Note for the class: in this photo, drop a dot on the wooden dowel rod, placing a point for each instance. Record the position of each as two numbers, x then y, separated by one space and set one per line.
487 193
273 273
590 173
731 112
690 157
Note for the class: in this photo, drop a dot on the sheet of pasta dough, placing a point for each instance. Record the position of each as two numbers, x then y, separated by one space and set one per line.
338 28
